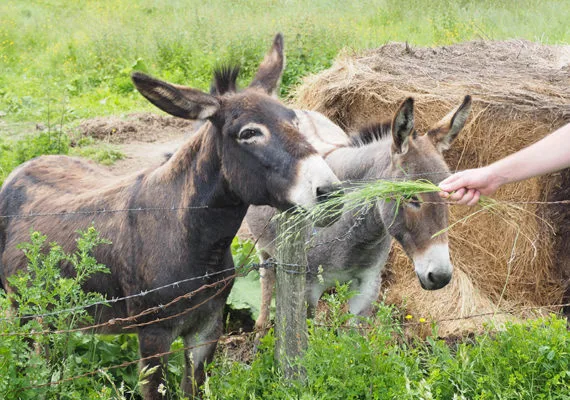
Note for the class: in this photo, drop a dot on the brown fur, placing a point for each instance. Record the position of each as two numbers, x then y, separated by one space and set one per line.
209 182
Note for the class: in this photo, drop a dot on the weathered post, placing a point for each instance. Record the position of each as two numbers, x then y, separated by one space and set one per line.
291 307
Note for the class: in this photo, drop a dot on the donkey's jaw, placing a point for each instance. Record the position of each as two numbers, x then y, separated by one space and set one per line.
313 177
433 266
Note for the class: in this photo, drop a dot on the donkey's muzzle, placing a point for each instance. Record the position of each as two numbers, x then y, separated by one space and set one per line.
329 192
329 197
435 280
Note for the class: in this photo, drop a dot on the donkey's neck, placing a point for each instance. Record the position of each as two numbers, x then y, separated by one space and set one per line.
363 162
192 180
194 173
363 239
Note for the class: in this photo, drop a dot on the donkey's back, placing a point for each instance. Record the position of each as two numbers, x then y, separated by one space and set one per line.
70 189
53 177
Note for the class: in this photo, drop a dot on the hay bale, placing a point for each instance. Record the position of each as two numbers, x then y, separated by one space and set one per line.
521 93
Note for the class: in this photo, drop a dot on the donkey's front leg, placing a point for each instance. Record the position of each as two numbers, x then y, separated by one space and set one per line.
267 278
200 347
368 288
154 340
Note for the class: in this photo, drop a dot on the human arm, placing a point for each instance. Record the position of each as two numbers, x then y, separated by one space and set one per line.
549 154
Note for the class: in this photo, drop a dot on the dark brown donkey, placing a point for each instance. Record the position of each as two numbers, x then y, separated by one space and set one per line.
249 152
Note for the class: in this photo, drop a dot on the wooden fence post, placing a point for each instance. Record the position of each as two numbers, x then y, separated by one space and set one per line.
291 308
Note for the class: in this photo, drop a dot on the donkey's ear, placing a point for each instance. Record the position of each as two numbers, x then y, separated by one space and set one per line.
446 130
181 101
402 126
270 70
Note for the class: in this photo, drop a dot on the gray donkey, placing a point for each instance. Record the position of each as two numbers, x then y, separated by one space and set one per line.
356 247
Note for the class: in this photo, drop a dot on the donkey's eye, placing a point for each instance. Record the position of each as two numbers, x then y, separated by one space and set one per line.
249 133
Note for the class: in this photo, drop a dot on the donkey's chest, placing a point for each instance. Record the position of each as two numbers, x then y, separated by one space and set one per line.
350 243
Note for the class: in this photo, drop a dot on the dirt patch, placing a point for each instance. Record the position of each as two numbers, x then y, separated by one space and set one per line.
144 138
237 348
140 127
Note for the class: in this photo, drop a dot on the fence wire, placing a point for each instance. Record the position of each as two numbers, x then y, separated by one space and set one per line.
255 332
222 282
119 299
242 271
152 209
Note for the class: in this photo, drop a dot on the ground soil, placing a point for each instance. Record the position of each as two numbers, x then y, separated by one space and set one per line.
144 138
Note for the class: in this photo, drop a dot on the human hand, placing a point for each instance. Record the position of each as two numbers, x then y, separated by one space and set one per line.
466 187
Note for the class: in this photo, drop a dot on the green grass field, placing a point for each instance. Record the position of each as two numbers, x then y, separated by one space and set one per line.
72 59
62 61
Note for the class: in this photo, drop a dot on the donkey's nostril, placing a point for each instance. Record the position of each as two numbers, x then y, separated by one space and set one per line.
326 192
323 191
331 211
437 280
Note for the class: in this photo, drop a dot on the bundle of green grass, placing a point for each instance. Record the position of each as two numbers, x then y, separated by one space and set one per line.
521 92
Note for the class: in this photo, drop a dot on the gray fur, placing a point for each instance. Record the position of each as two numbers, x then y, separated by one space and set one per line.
356 247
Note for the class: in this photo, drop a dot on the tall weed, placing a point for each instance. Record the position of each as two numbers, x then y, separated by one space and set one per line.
32 360
375 360
86 53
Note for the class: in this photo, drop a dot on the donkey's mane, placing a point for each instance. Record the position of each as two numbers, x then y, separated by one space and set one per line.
225 77
371 133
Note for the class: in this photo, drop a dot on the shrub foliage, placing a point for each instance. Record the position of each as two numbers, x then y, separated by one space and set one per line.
373 359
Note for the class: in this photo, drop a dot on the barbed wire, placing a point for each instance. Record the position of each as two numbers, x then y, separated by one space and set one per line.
169 209
226 281
118 321
138 360
118 299
102 211
242 270
271 263
232 335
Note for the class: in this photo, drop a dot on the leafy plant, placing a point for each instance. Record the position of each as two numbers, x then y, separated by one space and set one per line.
37 360
526 360
375 360
246 291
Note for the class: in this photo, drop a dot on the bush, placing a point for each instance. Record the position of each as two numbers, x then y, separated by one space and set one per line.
526 360
340 362
30 359
529 360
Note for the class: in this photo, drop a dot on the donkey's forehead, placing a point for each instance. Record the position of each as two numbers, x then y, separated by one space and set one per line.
424 160
257 106
254 106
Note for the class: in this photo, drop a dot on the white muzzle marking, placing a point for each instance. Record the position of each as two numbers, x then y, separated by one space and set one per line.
312 173
433 266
